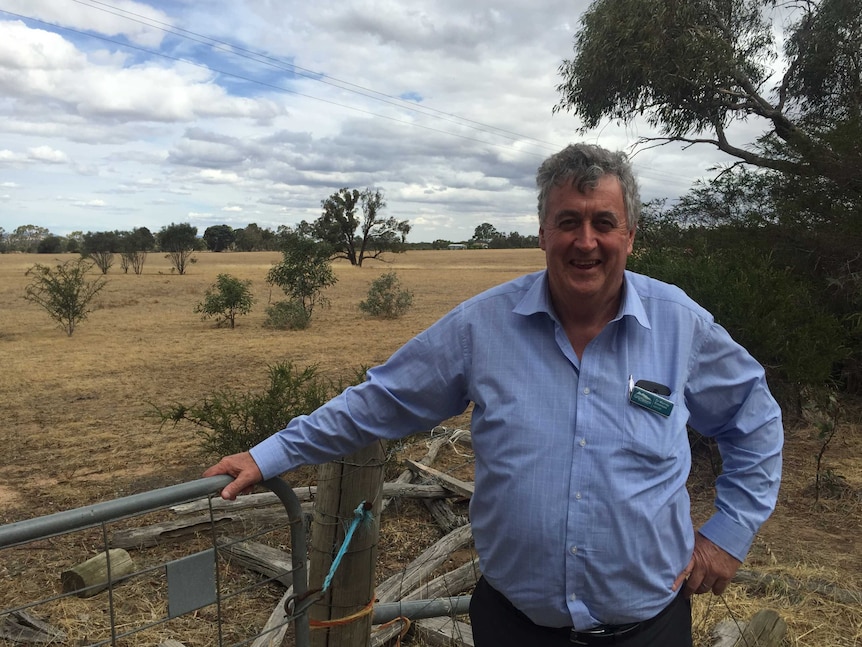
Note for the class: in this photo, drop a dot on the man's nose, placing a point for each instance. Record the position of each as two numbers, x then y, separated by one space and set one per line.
585 237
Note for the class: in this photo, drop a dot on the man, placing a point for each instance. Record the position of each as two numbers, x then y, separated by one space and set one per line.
583 378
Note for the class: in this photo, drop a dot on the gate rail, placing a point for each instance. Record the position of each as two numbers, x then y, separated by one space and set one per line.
200 569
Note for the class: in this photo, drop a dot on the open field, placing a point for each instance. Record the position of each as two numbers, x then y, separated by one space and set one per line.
78 428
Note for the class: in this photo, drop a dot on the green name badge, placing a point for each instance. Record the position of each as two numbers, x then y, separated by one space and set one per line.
651 401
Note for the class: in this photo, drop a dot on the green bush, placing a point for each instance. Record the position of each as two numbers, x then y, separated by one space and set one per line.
774 313
304 273
229 422
225 299
386 298
64 291
287 315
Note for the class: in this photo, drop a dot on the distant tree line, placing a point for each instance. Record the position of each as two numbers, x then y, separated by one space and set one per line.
351 226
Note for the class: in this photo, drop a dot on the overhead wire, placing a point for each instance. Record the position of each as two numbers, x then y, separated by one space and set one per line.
232 48
264 83
236 50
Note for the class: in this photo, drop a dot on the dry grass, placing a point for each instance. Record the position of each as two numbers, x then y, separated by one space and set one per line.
78 427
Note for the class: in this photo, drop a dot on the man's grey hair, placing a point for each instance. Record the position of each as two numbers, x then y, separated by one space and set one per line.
582 166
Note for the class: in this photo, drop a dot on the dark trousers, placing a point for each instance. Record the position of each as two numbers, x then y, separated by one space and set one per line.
496 623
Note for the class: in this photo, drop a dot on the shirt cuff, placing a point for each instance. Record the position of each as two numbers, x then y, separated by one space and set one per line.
728 535
269 457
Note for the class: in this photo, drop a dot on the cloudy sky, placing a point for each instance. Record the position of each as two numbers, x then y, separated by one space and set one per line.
120 114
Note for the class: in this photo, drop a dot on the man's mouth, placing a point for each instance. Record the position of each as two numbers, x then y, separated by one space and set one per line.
585 265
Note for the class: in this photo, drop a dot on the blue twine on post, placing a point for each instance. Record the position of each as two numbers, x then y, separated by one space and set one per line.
360 515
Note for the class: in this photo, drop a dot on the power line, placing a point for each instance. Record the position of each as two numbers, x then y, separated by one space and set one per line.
257 57
313 75
236 50
265 84
320 77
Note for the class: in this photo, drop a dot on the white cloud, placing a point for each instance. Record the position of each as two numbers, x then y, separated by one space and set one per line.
219 136
137 21
47 154
90 204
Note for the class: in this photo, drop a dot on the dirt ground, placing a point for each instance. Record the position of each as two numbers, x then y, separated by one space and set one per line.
78 424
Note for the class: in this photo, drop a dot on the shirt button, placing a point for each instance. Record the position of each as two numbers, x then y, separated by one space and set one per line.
577 495
574 550
586 390
573 597
583 442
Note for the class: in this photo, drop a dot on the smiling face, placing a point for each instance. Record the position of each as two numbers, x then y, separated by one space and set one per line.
586 241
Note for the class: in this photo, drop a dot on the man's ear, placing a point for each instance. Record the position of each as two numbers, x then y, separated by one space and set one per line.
542 238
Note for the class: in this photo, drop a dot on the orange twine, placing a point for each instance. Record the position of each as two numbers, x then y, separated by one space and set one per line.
346 620
404 629
353 617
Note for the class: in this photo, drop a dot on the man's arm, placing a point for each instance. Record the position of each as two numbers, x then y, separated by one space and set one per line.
729 401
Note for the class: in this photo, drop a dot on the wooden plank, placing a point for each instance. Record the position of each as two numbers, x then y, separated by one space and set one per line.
462 488
449 584
264 499
784 583
727 632
434 448
444 632
272 634
270 562
396 586
443 514
160 533
23 627
766 629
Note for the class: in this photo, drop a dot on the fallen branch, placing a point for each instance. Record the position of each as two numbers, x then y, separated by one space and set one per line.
447 585
394 588
434 448
764 581
276 626
159 533
457 486
304 494
23 627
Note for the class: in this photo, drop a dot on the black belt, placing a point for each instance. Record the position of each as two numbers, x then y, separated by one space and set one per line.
606 634
609 634
601 635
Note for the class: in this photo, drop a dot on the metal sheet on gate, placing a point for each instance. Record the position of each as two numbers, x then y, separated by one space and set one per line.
191 583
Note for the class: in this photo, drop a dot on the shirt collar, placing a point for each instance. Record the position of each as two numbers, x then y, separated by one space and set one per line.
538 299
632 304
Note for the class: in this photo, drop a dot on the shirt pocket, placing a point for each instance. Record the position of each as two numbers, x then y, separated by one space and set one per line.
650 434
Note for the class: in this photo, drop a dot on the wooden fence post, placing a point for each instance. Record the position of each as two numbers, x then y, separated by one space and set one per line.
342 486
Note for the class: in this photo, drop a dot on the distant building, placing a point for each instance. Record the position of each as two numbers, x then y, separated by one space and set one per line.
456 246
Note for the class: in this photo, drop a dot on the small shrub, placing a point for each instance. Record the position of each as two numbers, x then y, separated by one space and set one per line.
64 291
386 298
287 315
304 272
225 299
229 422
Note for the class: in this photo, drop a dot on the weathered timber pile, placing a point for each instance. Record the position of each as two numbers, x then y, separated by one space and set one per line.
420 580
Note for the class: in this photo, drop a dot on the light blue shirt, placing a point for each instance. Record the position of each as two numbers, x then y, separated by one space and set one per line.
580 514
